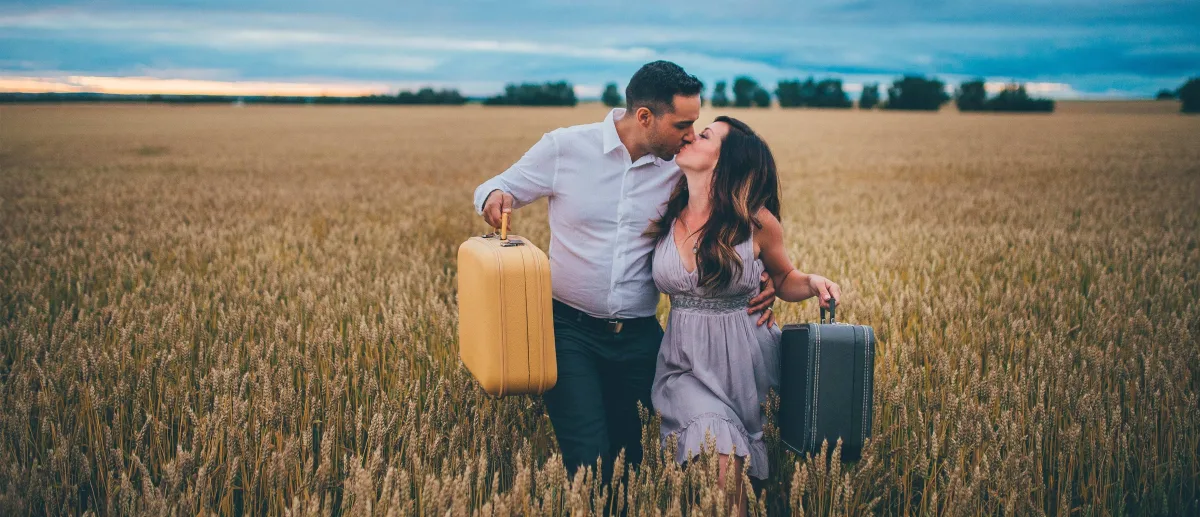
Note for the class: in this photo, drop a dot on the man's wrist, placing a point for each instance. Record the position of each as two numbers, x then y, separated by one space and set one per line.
483 204
489 196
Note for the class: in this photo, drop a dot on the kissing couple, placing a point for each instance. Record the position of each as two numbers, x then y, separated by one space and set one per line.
639 204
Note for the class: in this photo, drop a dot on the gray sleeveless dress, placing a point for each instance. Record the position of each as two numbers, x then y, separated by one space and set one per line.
715 364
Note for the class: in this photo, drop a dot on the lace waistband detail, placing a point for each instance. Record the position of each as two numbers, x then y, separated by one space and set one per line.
696 303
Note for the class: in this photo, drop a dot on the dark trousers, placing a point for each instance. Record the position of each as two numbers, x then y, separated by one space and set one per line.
602 376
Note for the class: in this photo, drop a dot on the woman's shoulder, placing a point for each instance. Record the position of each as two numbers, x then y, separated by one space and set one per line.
769 225
769 230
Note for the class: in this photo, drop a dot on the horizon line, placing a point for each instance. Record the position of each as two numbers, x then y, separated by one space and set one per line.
148 85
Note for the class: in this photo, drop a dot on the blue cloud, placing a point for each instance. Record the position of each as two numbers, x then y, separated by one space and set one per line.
1126 46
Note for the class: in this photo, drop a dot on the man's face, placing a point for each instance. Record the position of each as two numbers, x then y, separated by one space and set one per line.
672 129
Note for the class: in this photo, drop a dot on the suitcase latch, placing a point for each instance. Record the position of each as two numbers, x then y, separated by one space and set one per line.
504 243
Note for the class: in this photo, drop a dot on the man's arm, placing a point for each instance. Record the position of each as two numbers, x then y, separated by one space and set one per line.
531 178
761 304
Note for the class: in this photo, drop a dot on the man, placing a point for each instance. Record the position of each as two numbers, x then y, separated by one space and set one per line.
606 181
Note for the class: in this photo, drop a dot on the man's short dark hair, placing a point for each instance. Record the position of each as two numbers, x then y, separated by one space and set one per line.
656 84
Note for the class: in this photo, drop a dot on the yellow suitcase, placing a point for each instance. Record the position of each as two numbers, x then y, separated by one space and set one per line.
505 323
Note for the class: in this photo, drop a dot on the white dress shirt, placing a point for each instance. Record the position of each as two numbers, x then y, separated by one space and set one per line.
600 203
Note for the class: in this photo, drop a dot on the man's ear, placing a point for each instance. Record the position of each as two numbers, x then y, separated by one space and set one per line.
644 116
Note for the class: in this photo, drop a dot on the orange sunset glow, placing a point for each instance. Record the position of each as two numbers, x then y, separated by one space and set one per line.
154 85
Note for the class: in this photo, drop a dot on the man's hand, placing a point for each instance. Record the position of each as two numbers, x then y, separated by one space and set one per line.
495 205
825 289
763 302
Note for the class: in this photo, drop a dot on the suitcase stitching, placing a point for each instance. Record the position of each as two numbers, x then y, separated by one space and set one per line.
868 365
528 330
816 390
537 266
503 348
867 356
808 388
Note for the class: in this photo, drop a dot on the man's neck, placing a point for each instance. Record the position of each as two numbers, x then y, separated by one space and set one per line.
628 131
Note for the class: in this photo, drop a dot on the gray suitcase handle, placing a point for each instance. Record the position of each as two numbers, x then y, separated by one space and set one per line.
832 311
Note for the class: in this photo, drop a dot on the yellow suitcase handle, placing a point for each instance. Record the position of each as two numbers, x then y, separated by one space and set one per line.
502 233
503 229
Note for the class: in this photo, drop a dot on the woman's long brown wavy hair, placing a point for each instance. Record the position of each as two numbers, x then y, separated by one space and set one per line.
743 182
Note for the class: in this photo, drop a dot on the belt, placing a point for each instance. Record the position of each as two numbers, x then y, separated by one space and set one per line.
609 325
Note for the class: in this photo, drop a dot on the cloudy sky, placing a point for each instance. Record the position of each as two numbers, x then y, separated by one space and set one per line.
1063 48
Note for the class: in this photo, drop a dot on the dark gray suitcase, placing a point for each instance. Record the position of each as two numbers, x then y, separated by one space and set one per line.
827 385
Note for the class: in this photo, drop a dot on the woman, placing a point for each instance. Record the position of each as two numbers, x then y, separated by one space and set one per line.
719 231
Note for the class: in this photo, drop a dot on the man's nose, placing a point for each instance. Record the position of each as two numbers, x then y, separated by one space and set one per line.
690 136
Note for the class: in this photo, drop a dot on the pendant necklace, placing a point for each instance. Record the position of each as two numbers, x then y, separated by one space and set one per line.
696 246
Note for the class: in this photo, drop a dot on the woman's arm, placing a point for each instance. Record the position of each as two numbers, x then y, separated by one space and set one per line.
791 284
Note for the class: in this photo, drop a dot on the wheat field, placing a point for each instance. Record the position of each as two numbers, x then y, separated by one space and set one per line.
213 310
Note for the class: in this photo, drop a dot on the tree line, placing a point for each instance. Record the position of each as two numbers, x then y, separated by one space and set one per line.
910 92
559 93
404 97
1188 95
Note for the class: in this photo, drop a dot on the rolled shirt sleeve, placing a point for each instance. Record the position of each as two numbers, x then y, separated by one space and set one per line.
528 180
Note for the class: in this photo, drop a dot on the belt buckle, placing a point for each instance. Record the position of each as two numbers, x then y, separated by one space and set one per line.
614 326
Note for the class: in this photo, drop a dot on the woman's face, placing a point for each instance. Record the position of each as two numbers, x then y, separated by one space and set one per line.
702 153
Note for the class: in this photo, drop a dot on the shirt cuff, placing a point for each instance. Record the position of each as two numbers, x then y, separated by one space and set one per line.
481 195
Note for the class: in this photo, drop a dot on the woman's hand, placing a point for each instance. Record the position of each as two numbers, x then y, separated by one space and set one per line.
824 289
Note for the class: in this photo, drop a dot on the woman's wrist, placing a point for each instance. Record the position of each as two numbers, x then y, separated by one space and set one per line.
796 287
812 280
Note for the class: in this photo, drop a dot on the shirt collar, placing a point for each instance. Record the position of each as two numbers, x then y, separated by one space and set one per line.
611 139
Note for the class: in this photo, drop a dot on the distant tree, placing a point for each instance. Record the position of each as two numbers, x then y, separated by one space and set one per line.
831 95
762 98
427 96
1015 98
1189 93
788 93
719 98
530 94
1165 95
971 95
825 94
869 97
422 96
611 96
453 97
743 91
916 93
808 92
